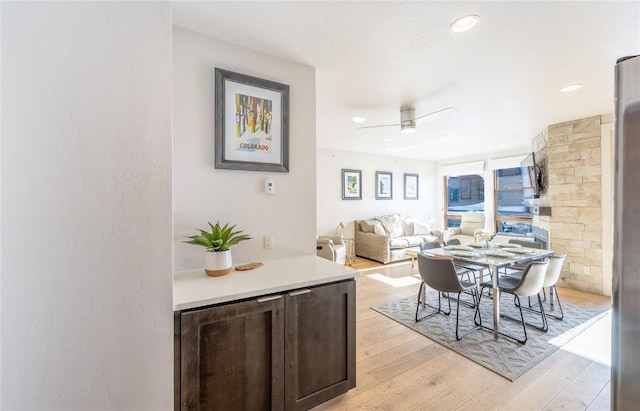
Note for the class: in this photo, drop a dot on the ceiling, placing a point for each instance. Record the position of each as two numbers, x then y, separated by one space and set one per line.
372 58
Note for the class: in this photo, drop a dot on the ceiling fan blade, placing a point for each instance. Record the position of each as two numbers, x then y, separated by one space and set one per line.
380 125
442 111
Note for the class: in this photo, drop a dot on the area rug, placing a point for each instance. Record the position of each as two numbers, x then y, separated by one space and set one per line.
504 356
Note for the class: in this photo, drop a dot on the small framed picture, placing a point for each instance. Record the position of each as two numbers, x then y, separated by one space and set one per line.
384 185
410 186
351 184
251 123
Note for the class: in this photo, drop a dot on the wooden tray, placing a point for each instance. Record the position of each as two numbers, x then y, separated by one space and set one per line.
248 266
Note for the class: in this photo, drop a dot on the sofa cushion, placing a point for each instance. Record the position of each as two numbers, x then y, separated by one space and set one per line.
416 240
464 239
413 241
398 242
396 254
378 229
420 228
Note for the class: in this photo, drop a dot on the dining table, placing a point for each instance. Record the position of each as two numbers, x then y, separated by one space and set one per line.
494 257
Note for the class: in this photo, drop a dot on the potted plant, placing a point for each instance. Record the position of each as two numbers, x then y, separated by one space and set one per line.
486 237
217 242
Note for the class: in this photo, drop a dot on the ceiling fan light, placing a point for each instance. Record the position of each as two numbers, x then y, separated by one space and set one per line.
408 120
464 23
408 129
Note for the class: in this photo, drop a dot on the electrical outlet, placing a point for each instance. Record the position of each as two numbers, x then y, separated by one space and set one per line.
268 241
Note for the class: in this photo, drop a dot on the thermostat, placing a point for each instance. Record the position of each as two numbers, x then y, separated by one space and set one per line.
269 186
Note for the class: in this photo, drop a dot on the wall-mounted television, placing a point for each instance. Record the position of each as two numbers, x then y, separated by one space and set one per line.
531 177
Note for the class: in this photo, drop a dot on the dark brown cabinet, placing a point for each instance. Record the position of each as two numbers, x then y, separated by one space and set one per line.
289 351
320 344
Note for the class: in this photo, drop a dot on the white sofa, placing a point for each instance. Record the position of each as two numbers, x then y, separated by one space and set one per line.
387 238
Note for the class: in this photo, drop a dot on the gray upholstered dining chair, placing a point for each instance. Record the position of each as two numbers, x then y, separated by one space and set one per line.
528 244
551 278
440 274
453 241
478 270
528 285
461 270
428 245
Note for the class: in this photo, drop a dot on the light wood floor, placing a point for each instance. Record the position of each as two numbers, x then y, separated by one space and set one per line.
399 369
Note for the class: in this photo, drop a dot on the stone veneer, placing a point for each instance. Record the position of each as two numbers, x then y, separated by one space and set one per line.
570 155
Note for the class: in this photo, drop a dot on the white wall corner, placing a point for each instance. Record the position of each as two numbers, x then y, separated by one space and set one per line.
86 136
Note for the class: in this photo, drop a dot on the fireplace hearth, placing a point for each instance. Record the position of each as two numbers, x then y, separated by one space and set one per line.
541 236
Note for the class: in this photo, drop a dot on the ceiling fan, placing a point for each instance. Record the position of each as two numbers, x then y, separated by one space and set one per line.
408 119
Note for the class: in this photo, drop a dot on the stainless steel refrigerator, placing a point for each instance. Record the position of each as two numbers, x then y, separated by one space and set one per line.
625 341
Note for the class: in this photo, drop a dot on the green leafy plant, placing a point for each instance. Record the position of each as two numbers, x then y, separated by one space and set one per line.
219 238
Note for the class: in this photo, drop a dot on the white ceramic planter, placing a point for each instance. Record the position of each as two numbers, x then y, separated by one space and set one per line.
218 263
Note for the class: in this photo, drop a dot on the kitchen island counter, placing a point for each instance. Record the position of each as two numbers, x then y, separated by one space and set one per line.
193 288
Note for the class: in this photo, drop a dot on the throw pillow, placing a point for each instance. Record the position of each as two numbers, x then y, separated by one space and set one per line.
379 229
407 225
367 226
392 225
421 228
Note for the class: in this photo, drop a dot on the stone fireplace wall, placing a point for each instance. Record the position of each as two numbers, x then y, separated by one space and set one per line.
570 155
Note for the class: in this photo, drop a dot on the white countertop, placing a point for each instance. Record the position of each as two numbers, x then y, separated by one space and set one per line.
193 288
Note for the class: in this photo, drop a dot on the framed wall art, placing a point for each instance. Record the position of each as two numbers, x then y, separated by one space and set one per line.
351 184
384 185
410 186
251 123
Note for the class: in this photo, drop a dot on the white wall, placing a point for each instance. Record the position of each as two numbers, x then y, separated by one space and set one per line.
332 209
86 206
203 193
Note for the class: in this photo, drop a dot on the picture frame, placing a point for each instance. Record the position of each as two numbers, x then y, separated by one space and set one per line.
251 123
384 185
411 186
351 184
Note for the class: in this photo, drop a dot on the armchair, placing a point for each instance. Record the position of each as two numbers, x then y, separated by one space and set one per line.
332 248
471 224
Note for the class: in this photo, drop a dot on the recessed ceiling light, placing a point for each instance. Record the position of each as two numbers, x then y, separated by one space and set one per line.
448 135
464 23
358 120
571 87
388 139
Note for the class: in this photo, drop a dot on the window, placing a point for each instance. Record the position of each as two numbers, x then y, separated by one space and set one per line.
512 215
464 194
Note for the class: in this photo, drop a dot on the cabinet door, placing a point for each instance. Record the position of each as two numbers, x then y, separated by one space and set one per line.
320 360
232 356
